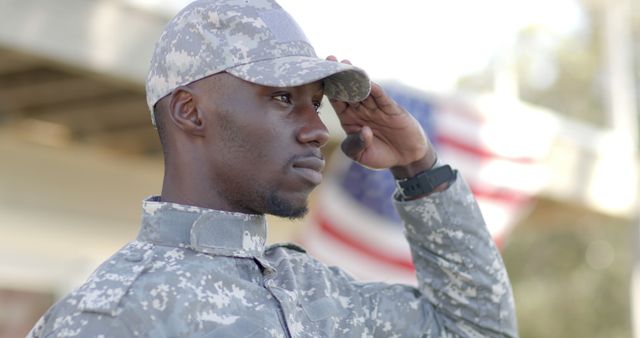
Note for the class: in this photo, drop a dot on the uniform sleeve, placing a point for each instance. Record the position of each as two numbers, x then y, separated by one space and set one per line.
463 288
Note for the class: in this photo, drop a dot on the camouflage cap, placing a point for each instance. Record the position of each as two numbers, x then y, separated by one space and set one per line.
255 40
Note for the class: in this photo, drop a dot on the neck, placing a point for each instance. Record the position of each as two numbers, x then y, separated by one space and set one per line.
190 185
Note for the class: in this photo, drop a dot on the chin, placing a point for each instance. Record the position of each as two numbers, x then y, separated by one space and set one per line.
292 214
281 207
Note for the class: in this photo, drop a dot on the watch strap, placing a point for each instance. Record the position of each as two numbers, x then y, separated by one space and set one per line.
425 182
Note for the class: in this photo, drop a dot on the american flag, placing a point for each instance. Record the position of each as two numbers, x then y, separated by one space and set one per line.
353 223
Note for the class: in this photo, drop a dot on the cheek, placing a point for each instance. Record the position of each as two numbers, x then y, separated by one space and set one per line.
271 136
241 137
262 142
263 149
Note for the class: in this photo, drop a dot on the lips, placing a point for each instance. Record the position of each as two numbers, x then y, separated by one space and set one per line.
310 168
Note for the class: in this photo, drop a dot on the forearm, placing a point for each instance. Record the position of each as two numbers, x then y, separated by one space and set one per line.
459 269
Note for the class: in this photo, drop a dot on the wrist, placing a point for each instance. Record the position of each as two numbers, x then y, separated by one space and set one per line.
425 183
427 162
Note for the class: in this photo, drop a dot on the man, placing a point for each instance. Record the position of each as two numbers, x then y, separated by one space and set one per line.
234 89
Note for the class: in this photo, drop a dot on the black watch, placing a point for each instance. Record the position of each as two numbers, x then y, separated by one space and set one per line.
425 182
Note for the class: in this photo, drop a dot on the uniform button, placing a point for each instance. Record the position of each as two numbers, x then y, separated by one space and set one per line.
133 257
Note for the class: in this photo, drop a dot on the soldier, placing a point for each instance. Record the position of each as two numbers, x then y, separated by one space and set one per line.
234 89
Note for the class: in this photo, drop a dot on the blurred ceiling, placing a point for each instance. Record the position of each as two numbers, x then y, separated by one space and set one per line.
54 104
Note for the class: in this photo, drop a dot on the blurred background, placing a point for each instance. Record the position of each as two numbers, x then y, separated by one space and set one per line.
535 102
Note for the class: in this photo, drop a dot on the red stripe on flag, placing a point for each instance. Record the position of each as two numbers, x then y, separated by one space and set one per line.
349 241
482 153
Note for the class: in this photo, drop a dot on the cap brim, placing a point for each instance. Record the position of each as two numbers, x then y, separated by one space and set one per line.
341 81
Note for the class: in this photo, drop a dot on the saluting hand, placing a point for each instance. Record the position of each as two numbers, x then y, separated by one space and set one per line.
381 134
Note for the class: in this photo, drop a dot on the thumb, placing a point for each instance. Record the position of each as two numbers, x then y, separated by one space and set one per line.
355 144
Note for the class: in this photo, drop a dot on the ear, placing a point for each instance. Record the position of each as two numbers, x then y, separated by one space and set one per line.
184 112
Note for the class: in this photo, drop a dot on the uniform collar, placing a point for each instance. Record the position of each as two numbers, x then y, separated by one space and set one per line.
205 230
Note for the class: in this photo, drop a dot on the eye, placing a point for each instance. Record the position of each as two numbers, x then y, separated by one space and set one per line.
284 98
317 105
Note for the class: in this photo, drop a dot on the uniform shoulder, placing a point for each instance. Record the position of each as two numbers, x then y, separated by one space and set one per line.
105 288
93 308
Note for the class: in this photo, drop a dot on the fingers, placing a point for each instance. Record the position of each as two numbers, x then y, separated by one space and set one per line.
367 106
378 96
334 58
376 99
369 103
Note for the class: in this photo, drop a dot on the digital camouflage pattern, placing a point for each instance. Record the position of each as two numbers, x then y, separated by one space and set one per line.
255 40
195 272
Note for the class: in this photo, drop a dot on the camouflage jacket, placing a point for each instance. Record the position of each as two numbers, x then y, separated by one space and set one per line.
195 272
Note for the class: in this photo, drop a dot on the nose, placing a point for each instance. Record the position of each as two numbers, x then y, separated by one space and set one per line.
313 131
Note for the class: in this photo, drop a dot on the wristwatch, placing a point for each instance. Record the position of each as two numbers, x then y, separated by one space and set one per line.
425 182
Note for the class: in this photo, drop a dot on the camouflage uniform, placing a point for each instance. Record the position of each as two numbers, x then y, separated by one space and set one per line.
195 272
